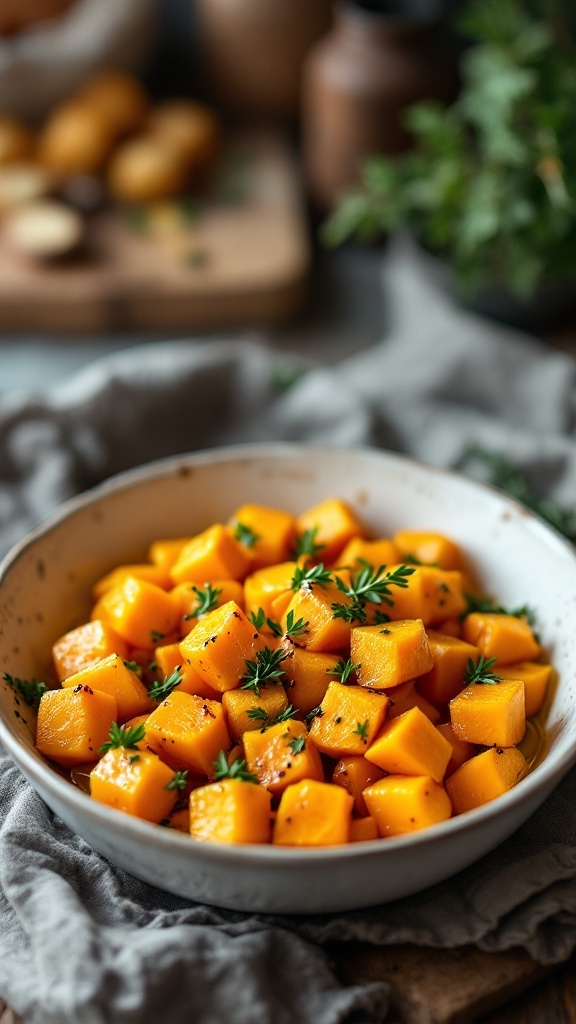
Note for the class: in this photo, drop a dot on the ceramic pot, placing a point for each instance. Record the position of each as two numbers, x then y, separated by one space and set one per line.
381 56
253 51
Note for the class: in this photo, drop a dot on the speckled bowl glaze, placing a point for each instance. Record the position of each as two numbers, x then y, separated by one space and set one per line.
44 591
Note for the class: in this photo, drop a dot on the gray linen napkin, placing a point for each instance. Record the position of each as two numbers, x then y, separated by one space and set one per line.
81 942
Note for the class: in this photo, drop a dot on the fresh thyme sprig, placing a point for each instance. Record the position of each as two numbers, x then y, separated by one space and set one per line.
236 770
315 713
207 600
297 745
30 690
344 669
369 585
481 673
305 545
179 781
488 604
295 627
259 714
361 730
156 636
122 736
308 576
246 535
265 669
162 688
134 667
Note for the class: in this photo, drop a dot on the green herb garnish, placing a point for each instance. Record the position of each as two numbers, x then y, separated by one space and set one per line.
179 781
260 620
315 713
207 600
305 545
246 535
162 688
362 730
156 636
369 585
297 745
121 736
259 714
488 604
308 576
236 770
344 669
481 673
30 690
134 667
265 669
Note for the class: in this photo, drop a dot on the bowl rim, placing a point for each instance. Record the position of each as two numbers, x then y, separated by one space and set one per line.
554 766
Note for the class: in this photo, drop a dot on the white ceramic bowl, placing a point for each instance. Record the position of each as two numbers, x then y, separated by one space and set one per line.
44 588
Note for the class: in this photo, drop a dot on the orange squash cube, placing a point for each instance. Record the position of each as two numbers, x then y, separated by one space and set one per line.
112 676
405 697
189 598
188 732
265 585
335 524
451 627
504 637
211 555
179 820
313 604
238 703
432 595
282 755
230 811
308 674
485 777
429 548
461 750
73 724
220 645
134 723
350 719
390 655
84 646
313 813
134 782
401 804
273 530
143 571
363 829
165 551
447 676
356 774
169 659
140 612
410 745
374 552
490 714
536 678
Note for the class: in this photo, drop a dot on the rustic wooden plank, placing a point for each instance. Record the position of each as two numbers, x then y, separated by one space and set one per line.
551 1002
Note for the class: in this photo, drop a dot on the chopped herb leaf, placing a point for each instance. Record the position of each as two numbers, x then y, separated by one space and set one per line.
236 770
156 636
134 667
481 673
179 781
308 576
30 690
207 600
315 713
162 688
362 729
305 545
121 736
265 669
295 628
297 745
344 669
246 535
369 585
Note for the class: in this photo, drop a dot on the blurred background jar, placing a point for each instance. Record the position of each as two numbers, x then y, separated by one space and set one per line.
381 56
253 51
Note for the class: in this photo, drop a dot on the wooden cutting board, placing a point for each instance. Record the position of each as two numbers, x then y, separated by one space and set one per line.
241 256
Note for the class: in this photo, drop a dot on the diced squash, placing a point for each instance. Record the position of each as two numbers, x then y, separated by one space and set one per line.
429 548
230 811
405 697
313 604
140 612
190 597
390 654
308 674
490 714
282 755
432 595
504 637
165 551
355 774
169 659
374 552
410 745
313 814
485 777
536 678
134 723
134 782
74 724
401 804
143 571
448 673
213 554
273 530
461 750
350 719
335 524
363 829
265 585
239 703
180 820
188 732
220 645
112 676
84 646
451 627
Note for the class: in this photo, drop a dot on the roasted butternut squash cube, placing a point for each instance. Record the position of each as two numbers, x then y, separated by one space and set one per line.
220 645
401 804
140 612
142 571
461 750
188 732
112 676
536 678
405 697
165 551
504 637
265 585
349 721
309 674
134 782
432 595
374 552
74 724
410 745
84 646
266 534
238 705
429 548
363 829
313 604
213 554
180 820
313 813
335 524
490 714
451 627
485 777
169 659
356 774
282 755
390 655
447 676
191 598
230 811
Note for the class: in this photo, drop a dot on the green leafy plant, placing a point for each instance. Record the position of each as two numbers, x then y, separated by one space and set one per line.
490 184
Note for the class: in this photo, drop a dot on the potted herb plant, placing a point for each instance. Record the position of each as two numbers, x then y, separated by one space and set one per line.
489 187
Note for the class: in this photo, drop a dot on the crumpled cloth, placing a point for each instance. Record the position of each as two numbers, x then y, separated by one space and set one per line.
81 942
